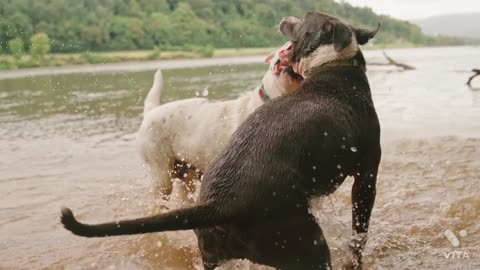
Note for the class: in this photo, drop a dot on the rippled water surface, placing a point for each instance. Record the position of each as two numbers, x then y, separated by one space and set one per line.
69 139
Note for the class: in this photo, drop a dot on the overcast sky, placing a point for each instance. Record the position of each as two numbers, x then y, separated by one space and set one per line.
414 9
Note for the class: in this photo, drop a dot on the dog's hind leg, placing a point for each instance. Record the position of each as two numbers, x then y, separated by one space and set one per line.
162 177
291 242
158 156
185 184
160 167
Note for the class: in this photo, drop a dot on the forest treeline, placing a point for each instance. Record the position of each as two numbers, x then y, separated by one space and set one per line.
110 25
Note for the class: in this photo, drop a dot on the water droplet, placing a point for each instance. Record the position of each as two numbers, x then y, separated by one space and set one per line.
343 146
315 242
325 133
339 166
314 167
314 180
354 149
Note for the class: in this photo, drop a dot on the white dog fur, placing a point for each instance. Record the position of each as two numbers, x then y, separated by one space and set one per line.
195 130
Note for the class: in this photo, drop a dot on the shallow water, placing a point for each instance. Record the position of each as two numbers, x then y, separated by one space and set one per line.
69 139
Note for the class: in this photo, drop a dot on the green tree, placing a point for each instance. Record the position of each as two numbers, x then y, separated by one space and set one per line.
39 46
187 28
95 25
126 33
16 47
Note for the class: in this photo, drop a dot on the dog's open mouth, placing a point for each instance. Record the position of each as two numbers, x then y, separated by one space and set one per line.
283 64
285 54
278 67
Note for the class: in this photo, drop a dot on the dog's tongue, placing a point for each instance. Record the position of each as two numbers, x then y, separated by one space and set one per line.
277 69
284 54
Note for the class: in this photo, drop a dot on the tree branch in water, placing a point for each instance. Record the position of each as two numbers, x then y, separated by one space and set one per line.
392 62
477 72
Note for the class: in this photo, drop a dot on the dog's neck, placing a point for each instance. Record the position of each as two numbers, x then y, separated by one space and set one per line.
326 55
272 87
356 61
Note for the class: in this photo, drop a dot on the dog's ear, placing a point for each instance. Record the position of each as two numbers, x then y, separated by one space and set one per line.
269 57
364 35
287 26
342 36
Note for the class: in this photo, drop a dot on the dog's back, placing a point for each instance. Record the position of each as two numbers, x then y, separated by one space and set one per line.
317 134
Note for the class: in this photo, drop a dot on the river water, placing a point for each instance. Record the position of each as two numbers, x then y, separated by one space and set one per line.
68 139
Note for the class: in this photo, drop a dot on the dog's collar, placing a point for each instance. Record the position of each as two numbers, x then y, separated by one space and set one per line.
352 62
263 94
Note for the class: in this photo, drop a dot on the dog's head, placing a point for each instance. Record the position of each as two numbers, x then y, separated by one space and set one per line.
318 30
286 79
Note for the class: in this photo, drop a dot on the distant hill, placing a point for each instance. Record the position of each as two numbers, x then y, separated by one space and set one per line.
459 25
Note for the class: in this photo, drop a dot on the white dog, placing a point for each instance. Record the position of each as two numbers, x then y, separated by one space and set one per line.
182 137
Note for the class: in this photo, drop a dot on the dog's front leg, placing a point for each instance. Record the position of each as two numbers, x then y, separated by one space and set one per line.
363 198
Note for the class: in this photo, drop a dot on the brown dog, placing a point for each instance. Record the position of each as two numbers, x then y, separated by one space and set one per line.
254 199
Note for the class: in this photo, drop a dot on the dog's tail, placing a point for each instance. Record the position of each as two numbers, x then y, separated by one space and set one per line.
200 216
153 98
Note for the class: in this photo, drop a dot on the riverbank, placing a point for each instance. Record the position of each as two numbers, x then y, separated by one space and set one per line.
8 62
131 66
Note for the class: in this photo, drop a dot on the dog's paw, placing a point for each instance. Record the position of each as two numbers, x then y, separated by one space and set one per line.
357 242
356 246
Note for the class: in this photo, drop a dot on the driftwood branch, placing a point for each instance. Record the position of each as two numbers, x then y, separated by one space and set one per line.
392 62
398 64
477 72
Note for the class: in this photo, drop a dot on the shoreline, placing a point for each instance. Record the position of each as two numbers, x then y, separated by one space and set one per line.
131 66
226 58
